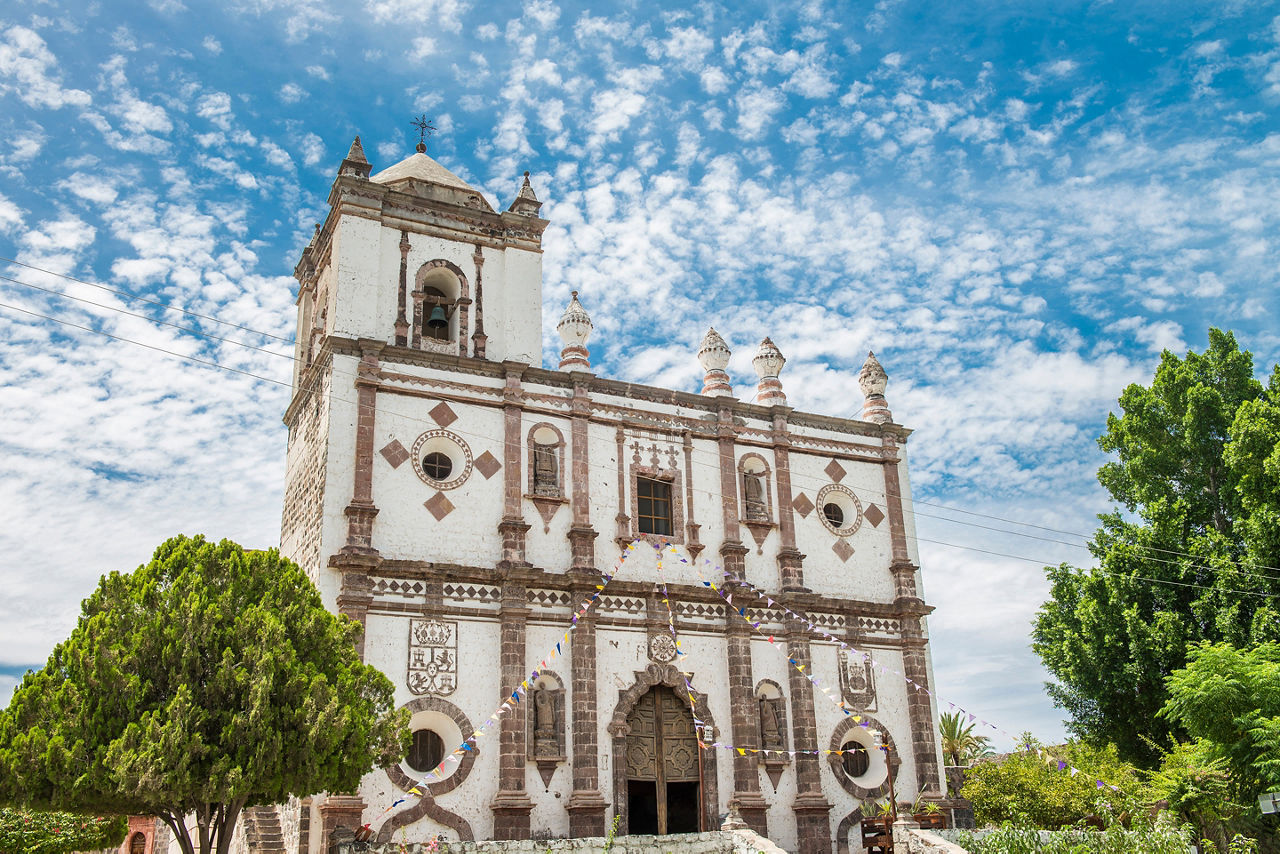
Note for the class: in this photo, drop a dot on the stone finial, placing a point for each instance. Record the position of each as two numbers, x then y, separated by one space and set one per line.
873 381
574 328
526 201
768 364
355 163
713 355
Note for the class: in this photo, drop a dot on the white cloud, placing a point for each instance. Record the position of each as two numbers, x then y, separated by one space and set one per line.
318 71
688 46
216 107
714 81
487 32
292 93
29 69
544 13
421 48
756 109
212 45
94 188
10 215
312 149
445 15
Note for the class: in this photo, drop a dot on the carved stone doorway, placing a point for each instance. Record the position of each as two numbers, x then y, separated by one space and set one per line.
663 774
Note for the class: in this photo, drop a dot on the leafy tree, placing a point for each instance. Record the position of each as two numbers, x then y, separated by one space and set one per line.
1229 699
32 832
209 680
1029 789
1197 475
960 745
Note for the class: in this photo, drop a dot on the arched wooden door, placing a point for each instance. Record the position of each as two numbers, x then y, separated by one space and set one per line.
664 792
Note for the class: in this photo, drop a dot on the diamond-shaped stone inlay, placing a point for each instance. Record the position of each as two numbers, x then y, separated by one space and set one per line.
843 550
487 464
443 415
874 515
438 506
835 471
803 505
395 453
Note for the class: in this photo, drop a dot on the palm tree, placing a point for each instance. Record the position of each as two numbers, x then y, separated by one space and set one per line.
959 744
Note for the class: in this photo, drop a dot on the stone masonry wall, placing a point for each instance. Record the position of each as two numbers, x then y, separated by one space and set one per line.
301 524
718 842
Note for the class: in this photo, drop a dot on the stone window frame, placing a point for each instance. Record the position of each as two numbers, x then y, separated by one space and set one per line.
404 782
673 479
841 734
454 344
848 529
459 474
560 446
767 476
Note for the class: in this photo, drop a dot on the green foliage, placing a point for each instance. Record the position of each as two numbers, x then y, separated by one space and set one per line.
960 745
1196 787
24 831
1197 471
1229 699
208 680
1163 837
1027 790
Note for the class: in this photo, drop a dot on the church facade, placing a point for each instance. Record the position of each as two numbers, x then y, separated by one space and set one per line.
462 502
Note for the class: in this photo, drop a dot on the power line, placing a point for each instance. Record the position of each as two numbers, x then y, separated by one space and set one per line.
129 295
796 476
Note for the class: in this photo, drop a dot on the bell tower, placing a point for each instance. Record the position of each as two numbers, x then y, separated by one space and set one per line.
409 260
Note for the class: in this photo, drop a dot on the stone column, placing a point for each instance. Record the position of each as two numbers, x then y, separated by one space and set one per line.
586 805
790 560
402 319
512 528
810 806
340 811
511 805
744 724
911 613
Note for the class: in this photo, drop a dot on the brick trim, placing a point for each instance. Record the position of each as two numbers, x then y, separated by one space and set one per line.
838 738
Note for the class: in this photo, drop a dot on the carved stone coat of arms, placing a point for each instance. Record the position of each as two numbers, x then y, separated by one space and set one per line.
433 657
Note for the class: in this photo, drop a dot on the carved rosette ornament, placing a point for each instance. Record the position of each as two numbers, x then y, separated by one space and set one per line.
575 328
433 657
662 648
873 380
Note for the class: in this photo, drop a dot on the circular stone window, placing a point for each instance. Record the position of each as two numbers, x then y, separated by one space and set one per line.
443 459
841 510
855 760
426 751
437 466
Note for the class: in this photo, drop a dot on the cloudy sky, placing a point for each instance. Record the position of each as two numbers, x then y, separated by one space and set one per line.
1016 205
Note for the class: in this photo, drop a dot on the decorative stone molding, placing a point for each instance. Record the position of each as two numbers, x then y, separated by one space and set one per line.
768 364
426 804
873 380
713 355
575 328
450 444
847 730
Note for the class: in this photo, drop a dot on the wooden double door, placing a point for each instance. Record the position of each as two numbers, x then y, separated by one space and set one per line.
664 791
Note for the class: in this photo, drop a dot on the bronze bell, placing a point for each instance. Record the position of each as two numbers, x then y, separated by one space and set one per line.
438 319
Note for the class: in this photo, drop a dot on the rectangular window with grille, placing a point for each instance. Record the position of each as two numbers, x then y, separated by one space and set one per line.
653 506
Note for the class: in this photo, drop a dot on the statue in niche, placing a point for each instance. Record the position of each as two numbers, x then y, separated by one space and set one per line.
545 742
770 725
753 496
546 470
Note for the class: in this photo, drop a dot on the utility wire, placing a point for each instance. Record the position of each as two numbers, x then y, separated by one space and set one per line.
129 295
795 476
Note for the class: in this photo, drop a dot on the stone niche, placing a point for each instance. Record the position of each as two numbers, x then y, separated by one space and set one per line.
546 718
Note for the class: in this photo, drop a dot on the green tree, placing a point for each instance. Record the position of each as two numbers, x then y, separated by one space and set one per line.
960 745
209 680
1030 789
1195 475
25 831
1197 789
1229 699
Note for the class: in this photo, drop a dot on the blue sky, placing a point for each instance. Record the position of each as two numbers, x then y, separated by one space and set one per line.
1016 205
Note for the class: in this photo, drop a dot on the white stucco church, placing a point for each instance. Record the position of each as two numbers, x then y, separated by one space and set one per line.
461 501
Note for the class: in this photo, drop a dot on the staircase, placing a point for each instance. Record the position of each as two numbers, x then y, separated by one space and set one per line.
262 830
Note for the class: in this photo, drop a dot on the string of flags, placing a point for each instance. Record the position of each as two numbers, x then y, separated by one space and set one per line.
741 611
470 743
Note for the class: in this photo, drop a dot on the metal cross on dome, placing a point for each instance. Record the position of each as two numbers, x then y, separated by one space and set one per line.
425 129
